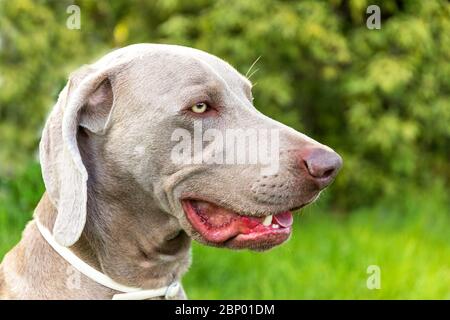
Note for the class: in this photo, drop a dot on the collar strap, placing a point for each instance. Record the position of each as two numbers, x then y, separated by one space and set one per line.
127 293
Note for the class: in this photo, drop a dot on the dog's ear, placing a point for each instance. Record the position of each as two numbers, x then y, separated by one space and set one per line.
86 101
94 116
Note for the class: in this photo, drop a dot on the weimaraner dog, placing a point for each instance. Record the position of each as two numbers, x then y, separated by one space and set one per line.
116 200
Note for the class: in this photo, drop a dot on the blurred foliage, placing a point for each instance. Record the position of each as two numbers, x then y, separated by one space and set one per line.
19 195
379 97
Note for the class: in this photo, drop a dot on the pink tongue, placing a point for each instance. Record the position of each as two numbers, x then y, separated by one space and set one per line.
284 219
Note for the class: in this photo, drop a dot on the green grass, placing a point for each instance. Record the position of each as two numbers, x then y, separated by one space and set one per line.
328 255
19 195
326 258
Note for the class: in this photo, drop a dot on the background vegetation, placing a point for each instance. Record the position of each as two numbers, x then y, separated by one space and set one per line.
379 97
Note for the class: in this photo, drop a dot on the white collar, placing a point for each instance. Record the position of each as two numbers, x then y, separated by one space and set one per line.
128 293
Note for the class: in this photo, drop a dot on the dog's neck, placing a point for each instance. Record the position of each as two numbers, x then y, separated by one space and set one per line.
126 235
134 248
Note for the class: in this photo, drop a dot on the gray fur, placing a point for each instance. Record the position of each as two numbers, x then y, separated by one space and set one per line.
112 193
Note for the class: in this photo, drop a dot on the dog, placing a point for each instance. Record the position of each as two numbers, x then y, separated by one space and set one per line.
118 203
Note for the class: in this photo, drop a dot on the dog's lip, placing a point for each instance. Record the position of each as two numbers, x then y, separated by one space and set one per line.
254 214
222 226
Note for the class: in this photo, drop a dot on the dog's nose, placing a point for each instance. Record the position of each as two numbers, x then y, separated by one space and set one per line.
322 165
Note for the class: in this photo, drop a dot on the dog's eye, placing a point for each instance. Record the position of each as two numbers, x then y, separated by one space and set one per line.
200 107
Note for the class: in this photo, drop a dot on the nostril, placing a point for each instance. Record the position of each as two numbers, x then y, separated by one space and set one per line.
306 165
321 173
322 164
327 173
316 171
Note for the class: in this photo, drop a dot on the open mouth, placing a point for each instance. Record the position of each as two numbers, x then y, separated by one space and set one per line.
221 226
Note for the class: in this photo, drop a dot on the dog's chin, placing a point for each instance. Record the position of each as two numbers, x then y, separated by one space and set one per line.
220 227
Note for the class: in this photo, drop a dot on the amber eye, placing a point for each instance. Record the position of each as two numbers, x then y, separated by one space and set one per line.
200 107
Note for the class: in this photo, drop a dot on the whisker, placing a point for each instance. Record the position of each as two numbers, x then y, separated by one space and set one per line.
256 70
253 64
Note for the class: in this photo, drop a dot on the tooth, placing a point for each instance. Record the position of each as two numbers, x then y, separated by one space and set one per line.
267 221
275 226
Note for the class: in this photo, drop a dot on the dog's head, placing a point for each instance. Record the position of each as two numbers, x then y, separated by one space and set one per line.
181 126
